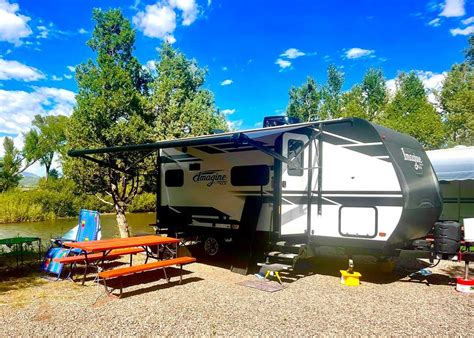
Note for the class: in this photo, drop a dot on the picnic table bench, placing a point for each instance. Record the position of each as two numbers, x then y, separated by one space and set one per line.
103 249
94 257
117 273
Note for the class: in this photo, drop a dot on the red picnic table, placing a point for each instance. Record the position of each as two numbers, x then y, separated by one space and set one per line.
101 250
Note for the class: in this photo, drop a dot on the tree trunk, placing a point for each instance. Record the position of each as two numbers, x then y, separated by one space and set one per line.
122 221
47 171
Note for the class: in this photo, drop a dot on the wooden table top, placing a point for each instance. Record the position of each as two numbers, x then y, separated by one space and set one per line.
120 243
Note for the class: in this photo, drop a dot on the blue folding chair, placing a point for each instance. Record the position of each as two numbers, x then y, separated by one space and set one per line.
49 265
87 229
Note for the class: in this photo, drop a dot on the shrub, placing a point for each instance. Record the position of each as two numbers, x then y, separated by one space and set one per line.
143 202
58 197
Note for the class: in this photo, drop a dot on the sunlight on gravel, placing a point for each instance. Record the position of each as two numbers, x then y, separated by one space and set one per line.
209 302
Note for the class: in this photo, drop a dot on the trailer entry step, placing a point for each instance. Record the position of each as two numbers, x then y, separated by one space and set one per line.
277 254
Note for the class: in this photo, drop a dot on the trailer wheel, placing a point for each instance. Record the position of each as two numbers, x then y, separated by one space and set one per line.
211 246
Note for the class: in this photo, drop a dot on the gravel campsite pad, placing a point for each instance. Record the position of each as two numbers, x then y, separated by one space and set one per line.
211 302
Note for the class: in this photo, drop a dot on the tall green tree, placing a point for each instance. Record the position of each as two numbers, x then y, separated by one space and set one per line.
456 100
46 138
374 93
305 101
353 103
469 53
410 112
180 105
332 94
10 166
110 111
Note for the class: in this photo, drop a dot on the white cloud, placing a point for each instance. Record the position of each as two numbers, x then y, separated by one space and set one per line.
226 82
13 25
159 20
435 22
292 53
135 5
453 8
432 82
18 108
14 70
189 10
170 39
151 64
71 69
227 112
283 63
235 125
355 53
67 76
56 78
224 68
465 31
43 32
82 31
468 20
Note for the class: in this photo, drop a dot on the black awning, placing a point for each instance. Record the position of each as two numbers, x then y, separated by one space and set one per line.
231 137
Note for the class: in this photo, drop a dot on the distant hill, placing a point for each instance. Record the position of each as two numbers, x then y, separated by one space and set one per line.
29 180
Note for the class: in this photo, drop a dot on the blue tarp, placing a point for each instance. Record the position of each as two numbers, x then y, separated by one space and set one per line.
454 164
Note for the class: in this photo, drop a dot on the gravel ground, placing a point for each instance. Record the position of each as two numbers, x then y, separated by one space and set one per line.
209 302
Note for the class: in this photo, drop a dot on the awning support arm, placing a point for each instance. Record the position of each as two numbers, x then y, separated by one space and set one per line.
245 139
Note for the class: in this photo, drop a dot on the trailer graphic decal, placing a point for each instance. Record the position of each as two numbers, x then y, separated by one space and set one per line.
211 177
411 156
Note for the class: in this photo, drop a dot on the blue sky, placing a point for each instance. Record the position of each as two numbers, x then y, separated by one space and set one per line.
254 50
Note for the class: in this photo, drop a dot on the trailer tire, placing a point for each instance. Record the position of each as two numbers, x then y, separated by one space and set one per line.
211 246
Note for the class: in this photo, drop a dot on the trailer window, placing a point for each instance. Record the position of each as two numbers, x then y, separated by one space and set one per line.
250 175
194 166
174 178
295 167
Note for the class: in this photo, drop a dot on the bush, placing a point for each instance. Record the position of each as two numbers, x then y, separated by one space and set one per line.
18 206
58 197
144 202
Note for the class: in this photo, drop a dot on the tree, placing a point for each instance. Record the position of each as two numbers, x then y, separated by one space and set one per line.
456 100
180 105
374 93
353 103
45 139
305 101
410 112
332 94
312 102
469 53
10 166
110 111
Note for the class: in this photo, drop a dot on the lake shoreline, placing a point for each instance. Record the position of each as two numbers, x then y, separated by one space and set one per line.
2 222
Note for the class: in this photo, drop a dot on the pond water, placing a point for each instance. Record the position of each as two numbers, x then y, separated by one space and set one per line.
139 224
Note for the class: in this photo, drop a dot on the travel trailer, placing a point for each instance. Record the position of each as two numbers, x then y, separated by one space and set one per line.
345 183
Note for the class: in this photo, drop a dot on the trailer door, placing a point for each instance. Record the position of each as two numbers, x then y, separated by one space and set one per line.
294 192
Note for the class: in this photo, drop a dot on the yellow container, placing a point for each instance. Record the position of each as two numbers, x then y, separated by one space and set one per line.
350 279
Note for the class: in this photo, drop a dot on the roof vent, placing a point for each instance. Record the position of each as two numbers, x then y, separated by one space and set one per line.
273 121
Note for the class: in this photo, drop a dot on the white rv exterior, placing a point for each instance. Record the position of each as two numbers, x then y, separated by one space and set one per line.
339 186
